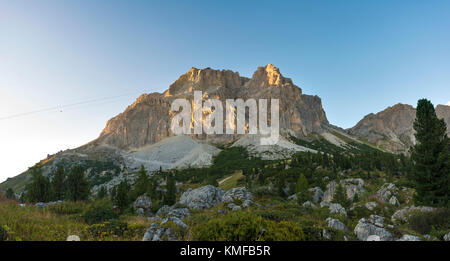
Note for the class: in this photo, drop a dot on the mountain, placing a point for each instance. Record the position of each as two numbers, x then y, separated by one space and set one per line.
392 128
148 119
141 134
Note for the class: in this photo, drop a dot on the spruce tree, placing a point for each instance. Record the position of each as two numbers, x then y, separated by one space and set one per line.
122 199
39 189
77 185
58 184
170 196
430 155
102 192
340 196
302 189
10 193
141 183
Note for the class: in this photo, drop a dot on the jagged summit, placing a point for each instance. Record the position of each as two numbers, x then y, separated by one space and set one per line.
148 119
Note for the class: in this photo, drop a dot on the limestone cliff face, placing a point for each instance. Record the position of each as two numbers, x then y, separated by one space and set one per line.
443 112
148 119
392 128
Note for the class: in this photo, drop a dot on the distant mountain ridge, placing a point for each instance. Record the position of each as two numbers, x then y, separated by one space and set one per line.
392 128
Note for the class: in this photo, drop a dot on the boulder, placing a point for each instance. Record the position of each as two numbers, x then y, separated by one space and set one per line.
402 215
373 238
372 226
351 187
143 205
234 207
175 220
316 194
447 237
336 224
386 192
234 194
371 205
336 208
308 204
394 201
172 211
409 238
202 198
324 204
73 238
157 233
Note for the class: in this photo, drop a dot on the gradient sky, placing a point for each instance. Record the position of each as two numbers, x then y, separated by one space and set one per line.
358 56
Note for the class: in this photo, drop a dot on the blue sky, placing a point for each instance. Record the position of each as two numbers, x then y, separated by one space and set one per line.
358 56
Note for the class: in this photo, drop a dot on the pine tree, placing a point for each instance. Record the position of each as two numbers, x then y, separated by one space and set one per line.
102 192
121 198
430 155
58 183
39 189
340 196
77 185
141 183
170 196
302 189
10 193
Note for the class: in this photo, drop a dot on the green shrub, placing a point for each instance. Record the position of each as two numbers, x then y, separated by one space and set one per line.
107 228
245 226
99 212
423 223
2 233
67 208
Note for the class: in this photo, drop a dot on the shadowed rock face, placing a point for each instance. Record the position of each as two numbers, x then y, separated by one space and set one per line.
148 119
393 128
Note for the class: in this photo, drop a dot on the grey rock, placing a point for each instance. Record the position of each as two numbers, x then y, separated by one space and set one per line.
247 203
386 192
326 234
308 204
336 224
316 194
373 238
336 208
351 187
234 207
447 237
402 215
143 205
409 238
394 201
324 204
175 220
371 205
73 238
234 194
202 198
369 227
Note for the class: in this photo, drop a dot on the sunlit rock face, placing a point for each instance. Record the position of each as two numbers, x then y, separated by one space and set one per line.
148 119
392 128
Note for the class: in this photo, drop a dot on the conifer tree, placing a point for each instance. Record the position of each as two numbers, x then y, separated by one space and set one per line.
430 155
58 183
77 185
39 189
170 196
142 183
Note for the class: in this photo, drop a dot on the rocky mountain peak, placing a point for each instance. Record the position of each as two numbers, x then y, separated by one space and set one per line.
148 119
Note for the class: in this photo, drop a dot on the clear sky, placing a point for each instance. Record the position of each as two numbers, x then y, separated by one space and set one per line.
358 56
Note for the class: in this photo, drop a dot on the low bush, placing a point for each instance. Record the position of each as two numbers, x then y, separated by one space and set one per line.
424 223
99 212
246 226
67 208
